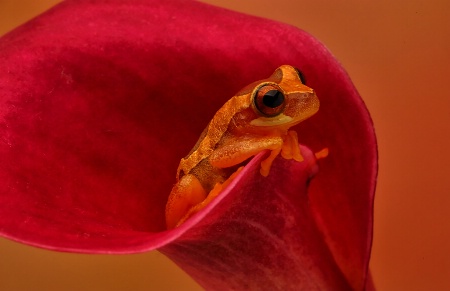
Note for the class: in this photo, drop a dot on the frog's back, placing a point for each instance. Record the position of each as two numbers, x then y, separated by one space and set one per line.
211 136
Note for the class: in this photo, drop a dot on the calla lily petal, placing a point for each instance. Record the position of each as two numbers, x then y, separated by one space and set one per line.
100 99
252 238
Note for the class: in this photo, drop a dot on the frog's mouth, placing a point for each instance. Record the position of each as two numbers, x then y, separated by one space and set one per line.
272 121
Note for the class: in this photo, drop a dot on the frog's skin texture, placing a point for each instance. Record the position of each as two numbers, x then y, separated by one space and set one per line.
258 118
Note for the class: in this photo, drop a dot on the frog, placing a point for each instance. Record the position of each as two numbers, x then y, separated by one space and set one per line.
258 118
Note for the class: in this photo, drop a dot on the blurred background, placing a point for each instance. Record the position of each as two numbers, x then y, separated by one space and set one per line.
398 55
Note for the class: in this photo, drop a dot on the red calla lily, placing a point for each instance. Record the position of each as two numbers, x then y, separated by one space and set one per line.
99 100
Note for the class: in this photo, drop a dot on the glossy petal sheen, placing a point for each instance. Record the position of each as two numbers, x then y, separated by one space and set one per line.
100 99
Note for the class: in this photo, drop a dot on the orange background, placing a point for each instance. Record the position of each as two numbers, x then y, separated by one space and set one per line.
398 55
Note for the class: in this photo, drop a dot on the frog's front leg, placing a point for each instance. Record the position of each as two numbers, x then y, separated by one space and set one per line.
237 150
240 149
186 193
289 149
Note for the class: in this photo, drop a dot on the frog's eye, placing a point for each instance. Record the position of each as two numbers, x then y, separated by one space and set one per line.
269 100
301 76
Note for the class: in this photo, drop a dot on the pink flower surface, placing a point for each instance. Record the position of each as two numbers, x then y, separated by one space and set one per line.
99 100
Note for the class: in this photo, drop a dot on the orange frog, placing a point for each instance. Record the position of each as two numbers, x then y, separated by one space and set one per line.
258 118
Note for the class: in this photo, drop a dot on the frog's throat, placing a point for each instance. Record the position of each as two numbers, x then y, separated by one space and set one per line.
271 121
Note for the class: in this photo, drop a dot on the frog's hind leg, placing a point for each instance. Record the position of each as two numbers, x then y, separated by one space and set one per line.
187 193
218 188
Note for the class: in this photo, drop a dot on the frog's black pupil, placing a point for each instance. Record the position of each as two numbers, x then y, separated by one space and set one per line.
273 98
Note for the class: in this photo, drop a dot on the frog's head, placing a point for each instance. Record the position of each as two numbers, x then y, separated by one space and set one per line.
283 100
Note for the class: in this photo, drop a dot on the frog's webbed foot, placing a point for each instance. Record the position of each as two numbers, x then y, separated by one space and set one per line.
267 163
291 149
